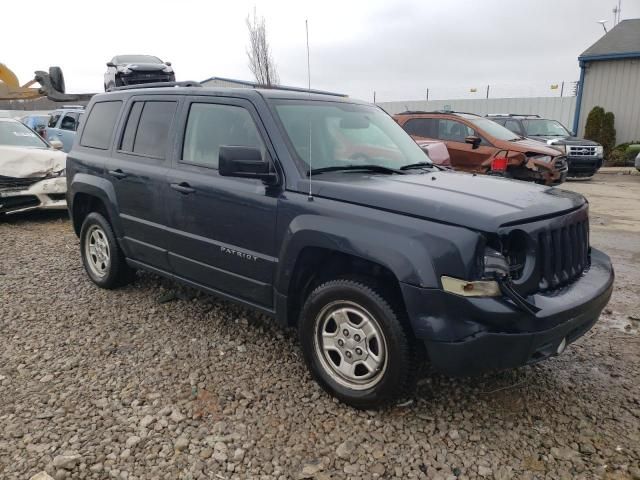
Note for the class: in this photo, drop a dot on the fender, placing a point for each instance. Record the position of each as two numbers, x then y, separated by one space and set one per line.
405 251
100 188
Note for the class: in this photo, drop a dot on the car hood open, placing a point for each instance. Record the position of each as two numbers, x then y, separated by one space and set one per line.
479 202
21 162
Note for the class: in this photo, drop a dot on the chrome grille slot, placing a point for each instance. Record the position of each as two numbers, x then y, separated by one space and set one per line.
581 151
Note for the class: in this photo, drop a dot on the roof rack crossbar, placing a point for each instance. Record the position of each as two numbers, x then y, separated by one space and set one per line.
420 112
512 115
188 83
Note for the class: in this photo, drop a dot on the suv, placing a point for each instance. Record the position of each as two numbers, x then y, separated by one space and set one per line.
63 124
321 212
136 69
584 157
477 144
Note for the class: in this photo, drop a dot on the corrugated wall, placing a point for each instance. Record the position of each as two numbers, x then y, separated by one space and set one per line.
615 86
556 108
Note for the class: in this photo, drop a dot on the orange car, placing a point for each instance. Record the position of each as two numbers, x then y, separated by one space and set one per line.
477 144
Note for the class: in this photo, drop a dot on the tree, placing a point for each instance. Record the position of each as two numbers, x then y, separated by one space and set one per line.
600 128
608 133
594 124
261 63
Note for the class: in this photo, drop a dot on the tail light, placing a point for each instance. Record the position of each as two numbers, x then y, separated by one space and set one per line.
499 164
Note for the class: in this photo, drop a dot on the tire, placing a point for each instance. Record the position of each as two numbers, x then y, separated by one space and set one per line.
102 257
375 347
57 79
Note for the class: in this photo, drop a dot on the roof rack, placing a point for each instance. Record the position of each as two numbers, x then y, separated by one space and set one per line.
419 112
512 115
73 106
188 83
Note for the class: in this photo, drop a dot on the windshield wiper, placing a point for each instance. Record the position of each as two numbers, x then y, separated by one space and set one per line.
411 166
370 168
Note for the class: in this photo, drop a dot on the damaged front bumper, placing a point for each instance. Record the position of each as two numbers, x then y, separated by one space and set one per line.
47 194
467 336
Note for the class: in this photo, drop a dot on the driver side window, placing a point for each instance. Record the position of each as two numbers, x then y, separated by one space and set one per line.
453 131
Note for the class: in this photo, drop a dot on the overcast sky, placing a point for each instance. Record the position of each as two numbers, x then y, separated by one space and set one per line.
397 48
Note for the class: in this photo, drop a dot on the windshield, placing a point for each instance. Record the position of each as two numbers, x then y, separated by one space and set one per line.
346 135
543 127
493 129
137 59
15 134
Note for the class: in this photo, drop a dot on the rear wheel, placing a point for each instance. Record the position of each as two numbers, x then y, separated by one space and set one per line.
355 344
103 260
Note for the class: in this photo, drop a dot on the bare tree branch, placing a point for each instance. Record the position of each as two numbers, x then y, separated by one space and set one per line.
261 63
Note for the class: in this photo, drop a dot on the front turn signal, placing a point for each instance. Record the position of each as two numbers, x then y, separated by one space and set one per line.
465 288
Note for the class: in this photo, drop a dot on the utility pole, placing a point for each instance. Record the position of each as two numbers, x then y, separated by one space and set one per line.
374 96
427 94
487 91
562 89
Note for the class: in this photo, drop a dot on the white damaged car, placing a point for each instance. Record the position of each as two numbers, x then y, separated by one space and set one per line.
32 171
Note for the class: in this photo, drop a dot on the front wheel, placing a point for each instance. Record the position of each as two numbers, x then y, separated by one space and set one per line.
356 346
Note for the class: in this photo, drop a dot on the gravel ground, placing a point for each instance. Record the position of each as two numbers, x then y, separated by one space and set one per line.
153 381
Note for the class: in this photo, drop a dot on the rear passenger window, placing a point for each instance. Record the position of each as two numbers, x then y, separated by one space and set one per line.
211 125
130 129
53 120
100 124
422 127
153 128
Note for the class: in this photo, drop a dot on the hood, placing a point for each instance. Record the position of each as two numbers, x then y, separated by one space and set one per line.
528 144
564 140
20 162
145 67
479 202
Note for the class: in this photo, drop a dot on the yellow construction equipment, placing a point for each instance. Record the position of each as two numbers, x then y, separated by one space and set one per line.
51 85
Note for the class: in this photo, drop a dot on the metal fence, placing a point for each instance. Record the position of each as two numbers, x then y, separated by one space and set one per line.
556 108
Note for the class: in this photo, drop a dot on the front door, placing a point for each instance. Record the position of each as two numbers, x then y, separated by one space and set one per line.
463 155
137 171
222 229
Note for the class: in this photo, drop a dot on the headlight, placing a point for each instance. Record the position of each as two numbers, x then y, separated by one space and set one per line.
167 70
599 150
124 70
494 265
561 147
543 158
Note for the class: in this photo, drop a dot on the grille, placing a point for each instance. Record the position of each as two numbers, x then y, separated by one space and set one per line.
13 182
564 254
581 151
561 164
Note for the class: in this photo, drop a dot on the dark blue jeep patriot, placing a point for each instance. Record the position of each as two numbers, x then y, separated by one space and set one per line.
322 212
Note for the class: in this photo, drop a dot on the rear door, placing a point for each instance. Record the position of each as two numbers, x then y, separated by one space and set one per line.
67 131
222 229
138 170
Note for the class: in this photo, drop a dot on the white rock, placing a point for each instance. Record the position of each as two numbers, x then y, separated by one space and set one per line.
41 476
146 421
68 462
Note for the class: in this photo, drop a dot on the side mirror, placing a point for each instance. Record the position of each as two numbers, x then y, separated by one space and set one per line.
111 64
244 162
168 64
573 134
473 140
56 144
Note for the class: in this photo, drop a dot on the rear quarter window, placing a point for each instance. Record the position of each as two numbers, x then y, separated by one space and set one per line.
100 124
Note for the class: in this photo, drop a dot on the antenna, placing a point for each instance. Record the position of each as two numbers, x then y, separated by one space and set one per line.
306 26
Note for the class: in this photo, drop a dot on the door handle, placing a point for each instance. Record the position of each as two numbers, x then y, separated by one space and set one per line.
59 134
182 187
117 173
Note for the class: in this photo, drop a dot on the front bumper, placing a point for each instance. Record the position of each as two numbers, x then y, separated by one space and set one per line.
583 166
139 77
47 194
467 336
